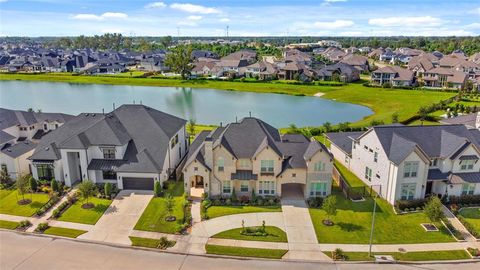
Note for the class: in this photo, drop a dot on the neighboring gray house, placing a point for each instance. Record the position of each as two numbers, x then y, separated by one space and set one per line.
344 72
132 147
471 120
412 162
252 156
19 133
394 75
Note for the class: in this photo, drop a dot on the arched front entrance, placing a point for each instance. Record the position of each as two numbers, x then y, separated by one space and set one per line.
197 181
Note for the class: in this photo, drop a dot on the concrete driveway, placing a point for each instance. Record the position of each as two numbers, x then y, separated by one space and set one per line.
118 221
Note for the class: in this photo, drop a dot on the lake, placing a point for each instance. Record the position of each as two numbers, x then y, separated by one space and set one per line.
206 106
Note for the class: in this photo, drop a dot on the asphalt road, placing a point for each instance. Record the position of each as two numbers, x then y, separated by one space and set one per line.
19 251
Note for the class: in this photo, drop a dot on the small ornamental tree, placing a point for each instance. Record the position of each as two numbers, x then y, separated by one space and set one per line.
4 176
87 190
330 208
108 190
54 185
433 209
33 184
22 188
170 204
157 189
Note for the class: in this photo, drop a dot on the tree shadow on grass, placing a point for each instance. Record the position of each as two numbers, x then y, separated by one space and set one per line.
349 227
35 204
100 208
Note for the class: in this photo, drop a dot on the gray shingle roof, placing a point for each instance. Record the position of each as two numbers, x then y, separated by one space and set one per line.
147 132
343 140
18 149
9 118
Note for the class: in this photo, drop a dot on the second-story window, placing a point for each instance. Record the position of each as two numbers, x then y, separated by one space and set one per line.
375 157
109 153
467 165
266 166
319 166
45 126
410 169
220 164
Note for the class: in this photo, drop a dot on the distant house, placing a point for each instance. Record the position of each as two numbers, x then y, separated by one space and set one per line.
262 70
103 67
395 75
155 63
203 68
420 64
375 54
471 121
387 55
444 78
358 61
290 70
339 71
196 54
333 54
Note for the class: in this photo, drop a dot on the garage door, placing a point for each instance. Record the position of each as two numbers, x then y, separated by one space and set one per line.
138 183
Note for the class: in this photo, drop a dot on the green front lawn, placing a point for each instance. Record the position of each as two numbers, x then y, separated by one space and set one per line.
410 256
10 225
246 252
353 222
218 211
275 234
9 205
76 213
148 242
472 216
65 232
153 218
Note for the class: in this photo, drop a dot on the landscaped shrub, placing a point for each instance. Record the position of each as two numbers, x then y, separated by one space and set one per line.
54 185
410 205
469 227
24 224
57 212
315 202
338 255
475 252
108 190
33 184
464 200
165 243
157 191
53 200
452 229
41 227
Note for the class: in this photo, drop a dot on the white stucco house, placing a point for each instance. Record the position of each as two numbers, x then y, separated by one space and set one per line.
412 162
252 156
132 147
20 132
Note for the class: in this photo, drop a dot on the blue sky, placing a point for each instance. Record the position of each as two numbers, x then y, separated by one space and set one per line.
244 17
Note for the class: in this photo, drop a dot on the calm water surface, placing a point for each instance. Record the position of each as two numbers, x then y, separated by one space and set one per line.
206 106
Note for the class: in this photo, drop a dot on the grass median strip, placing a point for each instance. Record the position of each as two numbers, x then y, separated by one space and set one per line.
65 232
409 256
151 243
273 234
10 225
246 252
218 211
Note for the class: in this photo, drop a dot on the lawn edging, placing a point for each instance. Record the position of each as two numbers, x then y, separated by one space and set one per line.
245 252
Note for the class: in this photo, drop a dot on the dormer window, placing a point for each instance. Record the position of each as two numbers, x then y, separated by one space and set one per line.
109 153
466 165
45 126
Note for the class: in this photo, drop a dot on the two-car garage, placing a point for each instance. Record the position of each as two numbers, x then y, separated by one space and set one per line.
138 183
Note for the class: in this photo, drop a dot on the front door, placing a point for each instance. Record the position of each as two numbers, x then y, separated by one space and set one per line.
198 181
428 190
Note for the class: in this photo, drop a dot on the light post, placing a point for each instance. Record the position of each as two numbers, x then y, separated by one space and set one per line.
373 225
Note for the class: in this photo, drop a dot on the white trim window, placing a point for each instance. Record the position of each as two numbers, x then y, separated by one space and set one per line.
266 166
108 153
466 165
368 174
318 189
407 191
220 164
375 157
468 189
244 186
410 169
319 166
266 187
227 187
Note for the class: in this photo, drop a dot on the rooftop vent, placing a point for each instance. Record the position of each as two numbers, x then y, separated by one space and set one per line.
47 148
86 114
93 114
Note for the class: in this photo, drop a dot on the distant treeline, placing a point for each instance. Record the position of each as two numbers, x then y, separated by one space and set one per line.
469 45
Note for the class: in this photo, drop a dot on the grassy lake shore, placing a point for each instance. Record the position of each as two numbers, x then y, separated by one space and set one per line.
383 102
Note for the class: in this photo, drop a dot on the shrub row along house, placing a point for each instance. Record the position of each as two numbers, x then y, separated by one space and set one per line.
251 157
413 162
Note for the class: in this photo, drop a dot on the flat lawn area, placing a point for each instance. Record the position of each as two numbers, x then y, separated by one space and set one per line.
384 102
353 221
246 252
275 234
76 213
65 232
153 218
351 178
9 205
10 225
410 256
472 216
218 211
147 242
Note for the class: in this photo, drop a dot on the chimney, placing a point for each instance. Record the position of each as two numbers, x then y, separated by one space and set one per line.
208 156
477 121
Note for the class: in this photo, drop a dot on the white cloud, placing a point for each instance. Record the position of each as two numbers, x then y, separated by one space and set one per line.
104 16
194 18
351 33
334 24
334 1
191 8
473 26
188 23
156 5
224 19
423 21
